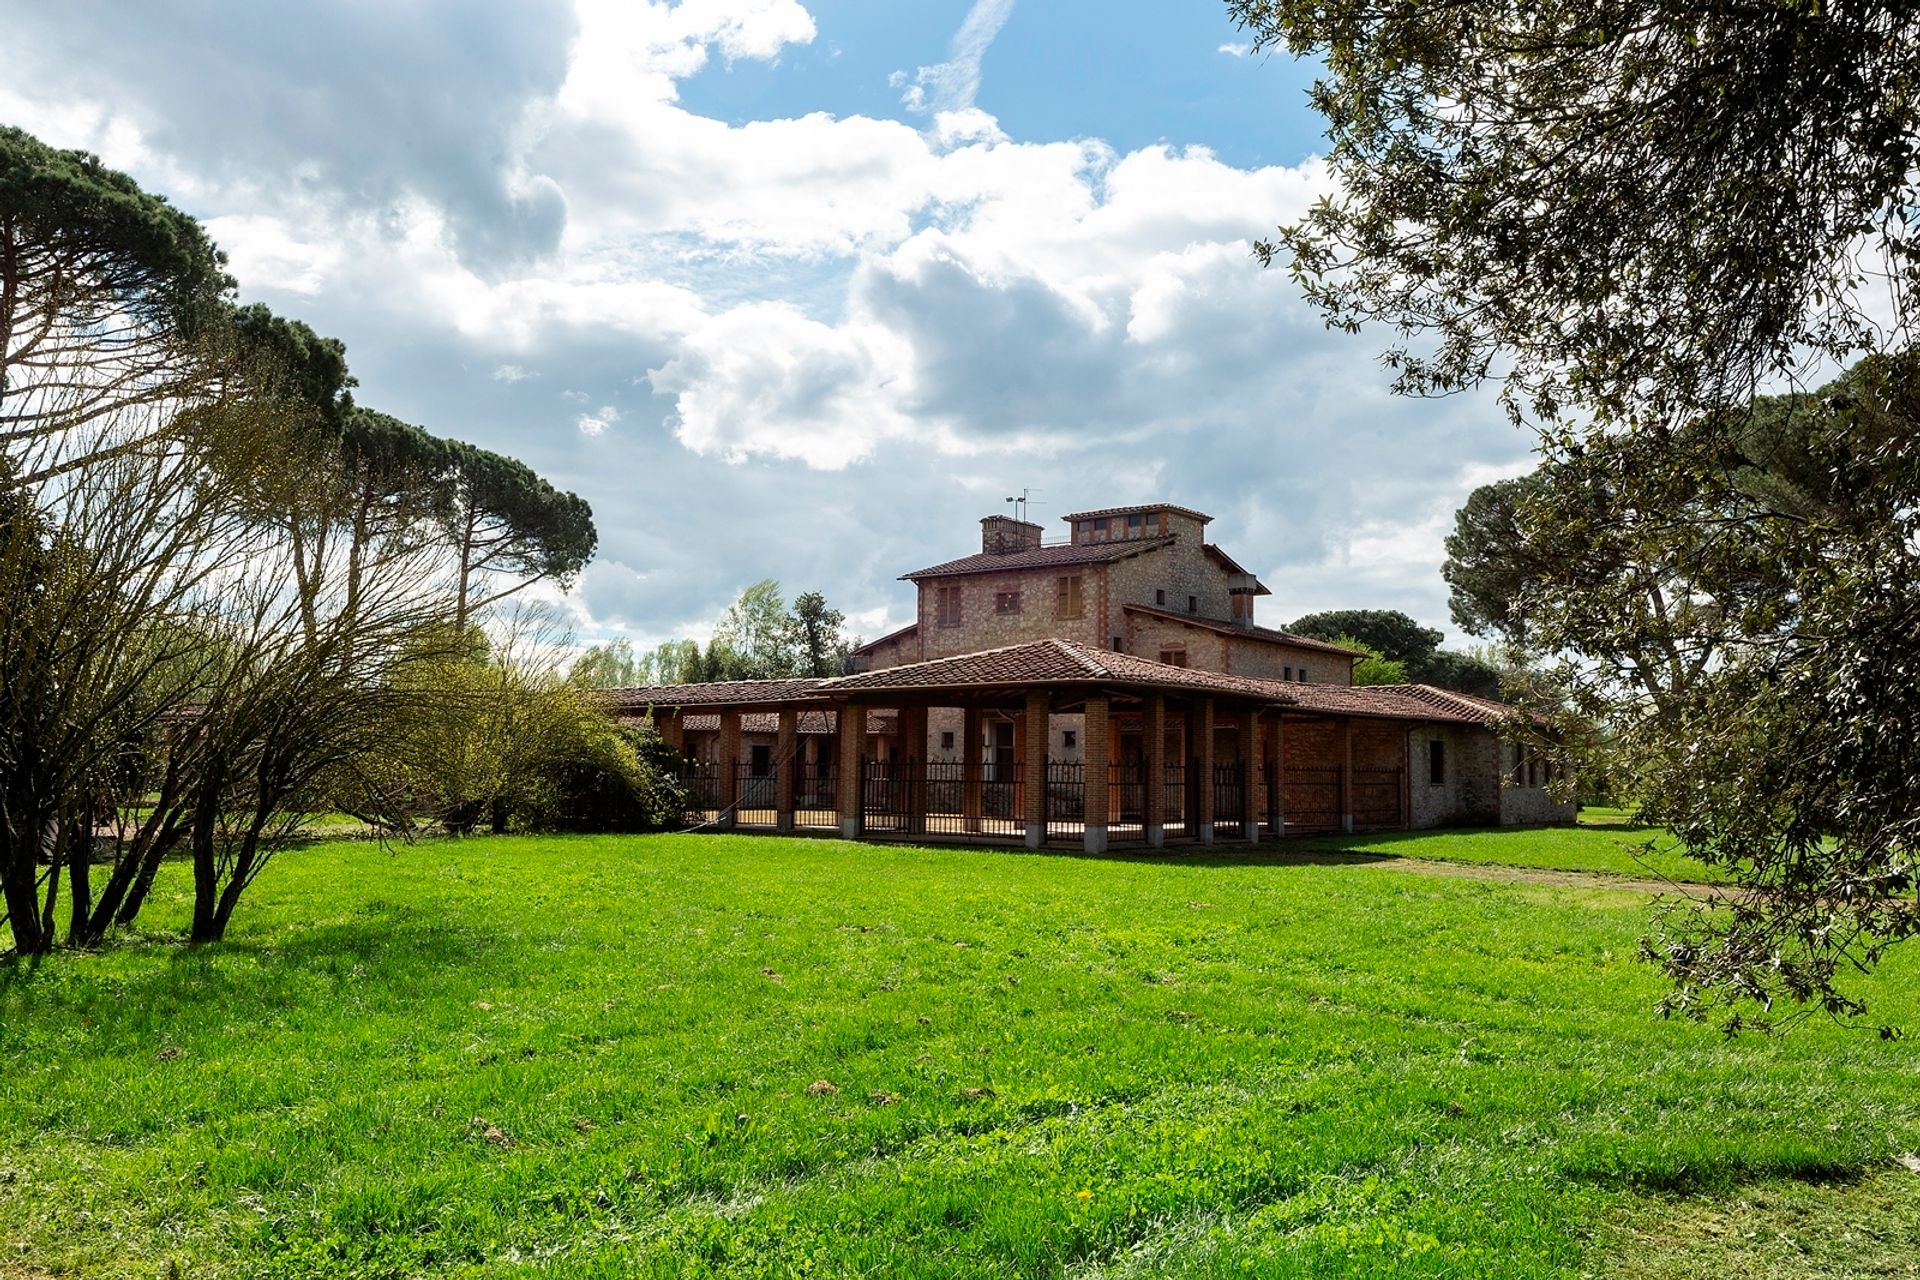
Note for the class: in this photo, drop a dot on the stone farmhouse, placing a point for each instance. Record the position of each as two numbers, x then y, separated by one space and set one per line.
1111 688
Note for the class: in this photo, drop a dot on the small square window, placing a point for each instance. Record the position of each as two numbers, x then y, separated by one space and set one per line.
1119 644
1289 673
1070 738
1193 604
946 739
1136 521
1160 597
1100 525
1006 602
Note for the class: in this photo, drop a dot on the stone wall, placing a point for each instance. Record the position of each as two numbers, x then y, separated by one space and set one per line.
1523 800
981 628
1180 569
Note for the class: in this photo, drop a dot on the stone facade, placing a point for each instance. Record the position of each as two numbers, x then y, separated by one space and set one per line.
1156 558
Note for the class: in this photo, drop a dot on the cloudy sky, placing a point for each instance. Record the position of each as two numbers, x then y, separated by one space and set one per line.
796 288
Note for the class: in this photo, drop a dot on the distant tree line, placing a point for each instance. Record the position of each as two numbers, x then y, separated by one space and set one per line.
1401 651
759 638
231 598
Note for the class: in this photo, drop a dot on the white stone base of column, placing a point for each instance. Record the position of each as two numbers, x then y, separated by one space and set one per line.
1036 834
1206 833
850 828
1157 836
1252 832
1346 823
1094 839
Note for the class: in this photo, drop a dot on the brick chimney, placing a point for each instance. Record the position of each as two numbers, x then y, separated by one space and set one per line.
1000 535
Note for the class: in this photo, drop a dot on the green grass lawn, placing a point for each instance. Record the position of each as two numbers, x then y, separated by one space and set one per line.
599 1056
1604 841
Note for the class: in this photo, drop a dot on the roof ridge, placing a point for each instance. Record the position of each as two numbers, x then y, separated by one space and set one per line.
1081 653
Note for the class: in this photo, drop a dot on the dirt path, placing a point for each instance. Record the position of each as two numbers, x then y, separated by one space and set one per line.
1528 875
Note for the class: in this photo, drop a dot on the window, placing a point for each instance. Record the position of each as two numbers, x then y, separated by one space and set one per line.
1437 763
1070 738
1066 596
1174 657
1288 673
1135 523
946 739
1100 525
1301 676
1119 644
1160 597
1193 604
759 760
1006 602
949 606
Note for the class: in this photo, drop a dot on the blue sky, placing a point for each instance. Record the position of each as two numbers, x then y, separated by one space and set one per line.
796 289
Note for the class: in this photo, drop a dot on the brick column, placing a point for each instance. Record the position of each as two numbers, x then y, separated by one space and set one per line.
1033 766
671 731
1200 744
1276 799
1097 752
1250 774
971 774
729 765
1153 723
785 760
853 751
913 748
1346 775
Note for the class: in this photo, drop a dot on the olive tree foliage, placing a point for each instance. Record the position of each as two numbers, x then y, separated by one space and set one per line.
1645 220
1638 210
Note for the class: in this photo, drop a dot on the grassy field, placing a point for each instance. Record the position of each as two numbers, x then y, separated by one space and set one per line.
1607 841
760 1057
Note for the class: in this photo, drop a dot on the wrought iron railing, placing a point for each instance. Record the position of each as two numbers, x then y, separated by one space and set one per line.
1229 800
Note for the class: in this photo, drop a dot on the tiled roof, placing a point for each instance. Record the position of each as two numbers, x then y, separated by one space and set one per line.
727 692
1060 662
1139 506
1040 558
1253 633
1054 661
888 638
1469 705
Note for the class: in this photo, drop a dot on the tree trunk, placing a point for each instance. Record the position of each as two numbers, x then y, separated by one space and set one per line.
497 816
19 868
79 885
206 869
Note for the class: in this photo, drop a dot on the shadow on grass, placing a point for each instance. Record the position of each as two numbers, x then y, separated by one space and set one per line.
1268 853
1715 1175
411 954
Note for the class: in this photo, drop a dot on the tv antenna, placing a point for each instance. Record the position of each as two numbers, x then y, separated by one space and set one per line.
1021 503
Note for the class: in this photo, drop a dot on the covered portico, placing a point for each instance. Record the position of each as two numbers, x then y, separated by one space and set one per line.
1165 755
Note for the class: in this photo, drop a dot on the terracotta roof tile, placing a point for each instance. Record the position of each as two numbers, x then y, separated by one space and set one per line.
902 633
1138 506
1040 558
1253 633
725 692
1059 662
